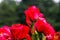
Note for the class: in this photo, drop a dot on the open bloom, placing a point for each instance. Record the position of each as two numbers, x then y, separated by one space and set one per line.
33 13
46 28
19 31
5 33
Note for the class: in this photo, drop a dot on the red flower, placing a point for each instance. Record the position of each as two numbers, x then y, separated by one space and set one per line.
49 31
19 31
33 13
5 33
46 28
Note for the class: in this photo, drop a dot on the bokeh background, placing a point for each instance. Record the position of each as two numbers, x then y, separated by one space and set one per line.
12 11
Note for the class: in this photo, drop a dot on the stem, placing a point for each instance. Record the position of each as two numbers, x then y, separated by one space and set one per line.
43 37
35 35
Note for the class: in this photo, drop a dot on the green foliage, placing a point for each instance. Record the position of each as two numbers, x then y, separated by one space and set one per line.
11 13
7 13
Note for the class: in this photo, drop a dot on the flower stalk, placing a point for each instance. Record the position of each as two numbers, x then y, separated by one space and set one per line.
35 35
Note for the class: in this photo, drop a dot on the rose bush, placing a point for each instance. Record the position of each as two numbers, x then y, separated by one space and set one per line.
36 23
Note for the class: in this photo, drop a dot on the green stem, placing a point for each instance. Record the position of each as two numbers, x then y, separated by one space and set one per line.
43 37
35 35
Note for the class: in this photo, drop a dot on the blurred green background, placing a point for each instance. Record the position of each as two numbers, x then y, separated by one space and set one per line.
13 12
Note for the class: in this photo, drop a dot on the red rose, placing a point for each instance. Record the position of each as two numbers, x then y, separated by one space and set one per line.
5 33
49 32
46 28
32 12
19 31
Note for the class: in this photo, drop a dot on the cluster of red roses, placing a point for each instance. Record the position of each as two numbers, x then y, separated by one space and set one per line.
35 23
